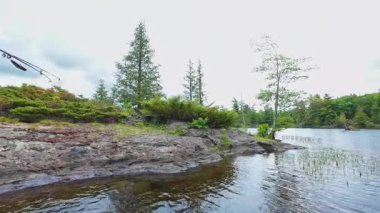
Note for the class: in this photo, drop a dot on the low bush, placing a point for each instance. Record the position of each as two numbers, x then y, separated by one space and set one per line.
175 108
226 142
33 104
199 123
263 131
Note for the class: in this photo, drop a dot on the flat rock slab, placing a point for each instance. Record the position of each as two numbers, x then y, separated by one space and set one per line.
38 156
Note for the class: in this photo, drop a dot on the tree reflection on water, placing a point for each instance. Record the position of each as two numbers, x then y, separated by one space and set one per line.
179 193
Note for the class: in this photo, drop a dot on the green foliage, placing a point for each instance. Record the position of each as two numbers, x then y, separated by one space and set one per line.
122 130
101 93
360 111
285 121
199 123
175 108
263 131
342 120
225 140
199 92
32 104
8 120
178 131
137 78
235 105
361 119
280 72
190 83
55 123
249 116
264 140
375 112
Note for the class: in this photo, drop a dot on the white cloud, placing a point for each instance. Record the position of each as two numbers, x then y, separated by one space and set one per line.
340 36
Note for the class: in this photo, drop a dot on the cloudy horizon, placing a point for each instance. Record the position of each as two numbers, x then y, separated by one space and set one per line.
82 46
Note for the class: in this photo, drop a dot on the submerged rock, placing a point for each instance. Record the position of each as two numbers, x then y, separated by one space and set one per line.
37 156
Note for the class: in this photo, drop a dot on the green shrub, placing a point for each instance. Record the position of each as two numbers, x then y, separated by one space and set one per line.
285 121
199 123
226 142
263 131
30 113
175 108
361 119
33 104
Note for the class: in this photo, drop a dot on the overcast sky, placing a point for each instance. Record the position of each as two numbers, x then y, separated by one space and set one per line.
80 41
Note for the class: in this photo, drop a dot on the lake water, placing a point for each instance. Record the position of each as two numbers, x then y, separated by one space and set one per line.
338 172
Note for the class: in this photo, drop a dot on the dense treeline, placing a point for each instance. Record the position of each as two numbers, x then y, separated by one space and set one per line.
325 112
32 104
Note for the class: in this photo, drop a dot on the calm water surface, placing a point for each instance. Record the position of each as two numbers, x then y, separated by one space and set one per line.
338 172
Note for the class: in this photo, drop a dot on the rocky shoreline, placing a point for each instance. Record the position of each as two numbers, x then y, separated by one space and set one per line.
32 156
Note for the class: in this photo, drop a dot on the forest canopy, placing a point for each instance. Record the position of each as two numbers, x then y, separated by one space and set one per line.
316 111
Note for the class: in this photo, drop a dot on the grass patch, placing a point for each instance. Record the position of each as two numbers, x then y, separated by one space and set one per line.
8 120
264 140
178 132
225 142
47 122
122 130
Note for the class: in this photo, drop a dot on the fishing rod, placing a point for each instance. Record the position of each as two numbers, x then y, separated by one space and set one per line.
19 62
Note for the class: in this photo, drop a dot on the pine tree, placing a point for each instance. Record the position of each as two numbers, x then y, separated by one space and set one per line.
199 85
235 105
137 78
190 80
101 93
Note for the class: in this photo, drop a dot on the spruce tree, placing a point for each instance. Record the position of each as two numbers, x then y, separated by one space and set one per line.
190 80
137 78
235 105
101 93
199 94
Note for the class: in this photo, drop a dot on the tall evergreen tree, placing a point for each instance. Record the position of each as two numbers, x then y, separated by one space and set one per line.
199 96
137 78
235 105
190 82
101 93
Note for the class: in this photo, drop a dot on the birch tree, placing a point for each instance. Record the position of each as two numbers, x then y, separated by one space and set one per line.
280 71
